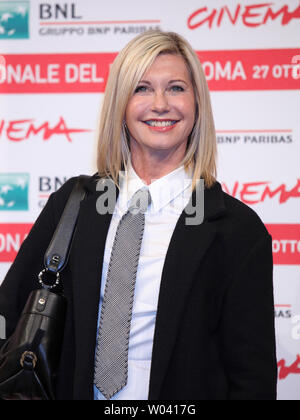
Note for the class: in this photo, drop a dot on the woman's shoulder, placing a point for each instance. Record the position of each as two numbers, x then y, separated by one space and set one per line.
59 198
242 219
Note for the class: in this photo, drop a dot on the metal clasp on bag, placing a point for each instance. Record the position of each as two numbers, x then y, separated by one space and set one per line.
46 270
55 260
30 358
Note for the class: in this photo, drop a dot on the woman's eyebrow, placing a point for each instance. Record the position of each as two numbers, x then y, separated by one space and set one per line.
145 82
169 82
178 81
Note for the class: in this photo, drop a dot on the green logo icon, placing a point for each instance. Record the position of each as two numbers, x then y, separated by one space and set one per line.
14 20
14 190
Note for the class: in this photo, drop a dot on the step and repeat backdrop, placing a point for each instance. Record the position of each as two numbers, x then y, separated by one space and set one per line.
54 60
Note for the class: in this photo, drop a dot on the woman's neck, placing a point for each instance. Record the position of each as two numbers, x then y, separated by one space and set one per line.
155 165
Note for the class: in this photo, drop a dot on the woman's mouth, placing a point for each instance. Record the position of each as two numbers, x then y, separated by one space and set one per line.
161 125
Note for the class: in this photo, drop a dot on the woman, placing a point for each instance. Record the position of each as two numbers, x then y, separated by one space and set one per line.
199 322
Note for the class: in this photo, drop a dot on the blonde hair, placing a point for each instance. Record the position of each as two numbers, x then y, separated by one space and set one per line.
126 72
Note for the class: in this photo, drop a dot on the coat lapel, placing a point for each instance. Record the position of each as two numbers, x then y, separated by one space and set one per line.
187 248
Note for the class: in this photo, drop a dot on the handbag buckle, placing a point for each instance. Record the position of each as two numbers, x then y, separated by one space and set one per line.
29 359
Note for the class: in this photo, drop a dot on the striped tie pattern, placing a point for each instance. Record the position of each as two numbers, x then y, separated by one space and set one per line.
111 361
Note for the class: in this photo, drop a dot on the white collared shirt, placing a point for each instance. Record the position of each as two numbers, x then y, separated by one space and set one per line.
169 196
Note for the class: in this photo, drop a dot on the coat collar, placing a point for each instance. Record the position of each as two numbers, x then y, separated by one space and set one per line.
214 205
181 263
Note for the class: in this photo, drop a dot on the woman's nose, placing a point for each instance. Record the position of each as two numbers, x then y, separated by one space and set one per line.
160 102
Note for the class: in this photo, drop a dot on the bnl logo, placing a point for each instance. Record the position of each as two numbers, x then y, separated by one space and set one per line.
14 19
14 189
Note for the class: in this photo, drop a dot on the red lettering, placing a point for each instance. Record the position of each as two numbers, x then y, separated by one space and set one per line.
250 189
286 15
32 130
252 16
1 127
62 129
247 191
285 371
248 15
295 192
209 18
271 194
233 19
284 194
20 130
12 128
11 237
274 15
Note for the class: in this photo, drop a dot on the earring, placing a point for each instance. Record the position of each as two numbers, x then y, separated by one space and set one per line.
125 127
126 130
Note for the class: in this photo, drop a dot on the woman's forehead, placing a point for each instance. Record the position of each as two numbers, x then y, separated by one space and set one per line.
167 66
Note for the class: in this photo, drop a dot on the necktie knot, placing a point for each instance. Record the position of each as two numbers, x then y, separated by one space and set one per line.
140 201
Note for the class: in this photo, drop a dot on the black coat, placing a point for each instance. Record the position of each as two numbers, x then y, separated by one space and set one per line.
214 334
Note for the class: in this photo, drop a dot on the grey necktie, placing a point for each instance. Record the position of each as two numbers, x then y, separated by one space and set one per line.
111 362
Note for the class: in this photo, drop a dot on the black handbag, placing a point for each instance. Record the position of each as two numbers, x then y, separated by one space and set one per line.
29 359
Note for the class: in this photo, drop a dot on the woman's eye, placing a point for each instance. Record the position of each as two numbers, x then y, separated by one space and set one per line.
177 88
140 89
145 89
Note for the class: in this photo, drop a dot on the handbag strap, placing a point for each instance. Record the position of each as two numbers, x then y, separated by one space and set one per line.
56 256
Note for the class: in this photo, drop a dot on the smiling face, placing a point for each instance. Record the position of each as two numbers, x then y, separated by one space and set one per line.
161 113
